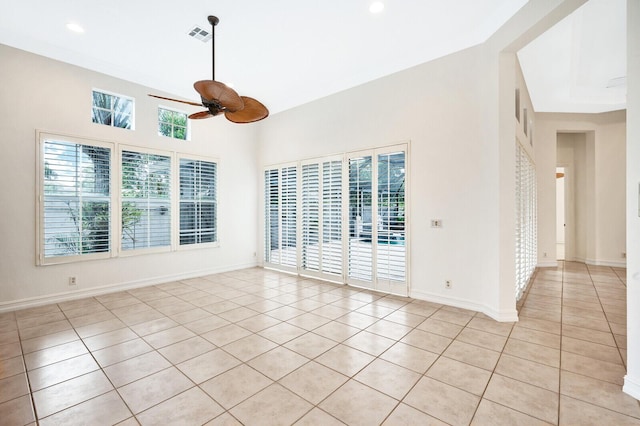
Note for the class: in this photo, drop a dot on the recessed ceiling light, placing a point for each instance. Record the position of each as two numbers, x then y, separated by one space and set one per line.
72 26
376 7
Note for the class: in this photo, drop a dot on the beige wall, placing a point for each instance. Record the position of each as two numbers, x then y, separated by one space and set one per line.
40 94
593 146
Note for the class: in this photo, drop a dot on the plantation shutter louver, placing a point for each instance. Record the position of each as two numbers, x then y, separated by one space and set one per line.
198 221
146 200
310 217
332 217
76 199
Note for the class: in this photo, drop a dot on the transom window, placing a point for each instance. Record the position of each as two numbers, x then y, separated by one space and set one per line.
112 110
173 124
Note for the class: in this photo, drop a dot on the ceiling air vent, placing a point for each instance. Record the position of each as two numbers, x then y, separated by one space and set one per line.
200 34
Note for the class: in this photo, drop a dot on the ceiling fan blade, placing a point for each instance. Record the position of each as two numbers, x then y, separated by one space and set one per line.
200 114
253 111
220 93
176 100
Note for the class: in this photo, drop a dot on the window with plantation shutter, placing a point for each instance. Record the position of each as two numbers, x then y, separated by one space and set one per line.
198 198
310 217
281 216
332 217
146 200
75 201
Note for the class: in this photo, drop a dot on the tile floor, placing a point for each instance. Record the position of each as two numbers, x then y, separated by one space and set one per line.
259 347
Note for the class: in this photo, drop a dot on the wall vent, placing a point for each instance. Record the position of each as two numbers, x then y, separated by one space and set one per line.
200 34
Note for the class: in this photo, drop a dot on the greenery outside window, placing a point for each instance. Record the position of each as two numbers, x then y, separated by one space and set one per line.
112 110
75 201
172 123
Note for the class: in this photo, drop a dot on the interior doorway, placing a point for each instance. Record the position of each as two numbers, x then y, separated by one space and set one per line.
561 223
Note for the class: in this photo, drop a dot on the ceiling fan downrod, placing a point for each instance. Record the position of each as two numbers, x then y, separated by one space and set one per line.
213 20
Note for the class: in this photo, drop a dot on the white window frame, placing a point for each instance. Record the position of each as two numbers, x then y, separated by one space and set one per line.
121 200
118 95
187 123
176 202
41 139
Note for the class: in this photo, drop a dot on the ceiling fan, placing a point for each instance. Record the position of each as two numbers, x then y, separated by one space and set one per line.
219 98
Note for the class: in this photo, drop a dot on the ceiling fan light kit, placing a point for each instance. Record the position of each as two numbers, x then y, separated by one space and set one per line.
219 98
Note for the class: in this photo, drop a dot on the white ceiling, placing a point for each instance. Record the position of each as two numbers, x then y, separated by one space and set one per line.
289 52
569 67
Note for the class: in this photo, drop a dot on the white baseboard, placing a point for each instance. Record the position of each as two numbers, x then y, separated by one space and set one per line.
506 316
611 263
631 387
548 264
31 302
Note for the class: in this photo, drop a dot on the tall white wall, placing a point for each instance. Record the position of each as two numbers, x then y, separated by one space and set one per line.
594 147
41 94
632 379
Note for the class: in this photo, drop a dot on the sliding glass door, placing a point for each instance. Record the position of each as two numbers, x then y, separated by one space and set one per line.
341 218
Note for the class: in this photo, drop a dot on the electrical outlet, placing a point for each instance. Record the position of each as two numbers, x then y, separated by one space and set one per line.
447 284
436 223
72 281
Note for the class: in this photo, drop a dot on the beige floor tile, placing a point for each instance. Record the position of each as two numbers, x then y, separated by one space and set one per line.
313 382
271 406
310 345
92 318
590 323
336 331
542 354
391 330
154 326
37 311
442 401
535 336
192 407
463 376
459 318
357 404
13 387
601 337
54 354
10 350
491 414
357 320
99 327
192 315
278 362
388 378
591 350
404 415
540 325
601 370
18 411
427 341
238 314
136 368
405 318
60 371
345 360
410 357
151 390
309 321
11 367
111 338
621 341
318 417
285 313
540 314
258 322
225 335
69 393
208 365
575 412
190 348
43 330
370 343
491 326
168 337
329 311
236 385
597 392
473 355
249 347
530 372
104 409
528 399
121 352
282 332
482 339
40 320
10 336
224 419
